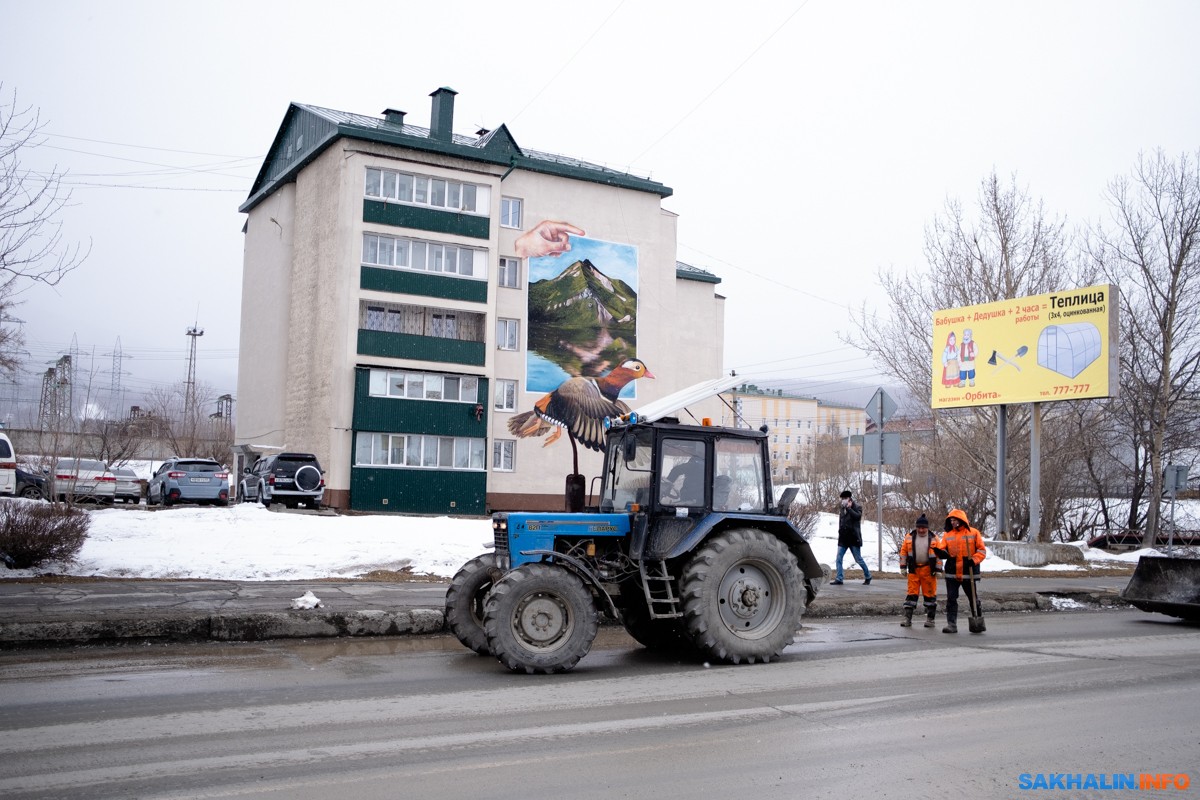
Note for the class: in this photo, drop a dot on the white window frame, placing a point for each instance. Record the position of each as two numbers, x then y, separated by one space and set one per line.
420 451
508 272
504 450
410 188
511 212
412 385
419 255
504 398
508 334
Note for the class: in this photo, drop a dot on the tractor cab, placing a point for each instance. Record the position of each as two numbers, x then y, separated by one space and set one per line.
685 470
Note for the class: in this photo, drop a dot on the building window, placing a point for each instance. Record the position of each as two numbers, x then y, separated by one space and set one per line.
507 333
424 386
510 272
510 212
506 395
420 256
405 187
422 321
502 454
416 450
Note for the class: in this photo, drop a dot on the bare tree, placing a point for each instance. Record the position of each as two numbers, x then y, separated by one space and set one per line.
31 243
1009 247
191 434
1150 249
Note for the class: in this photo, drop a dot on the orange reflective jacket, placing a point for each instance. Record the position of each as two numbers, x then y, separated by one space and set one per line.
962 545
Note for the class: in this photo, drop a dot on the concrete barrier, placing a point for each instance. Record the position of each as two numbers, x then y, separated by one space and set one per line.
1036 554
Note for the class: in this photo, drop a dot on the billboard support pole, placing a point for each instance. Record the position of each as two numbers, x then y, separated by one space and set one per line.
1001 464
1035 473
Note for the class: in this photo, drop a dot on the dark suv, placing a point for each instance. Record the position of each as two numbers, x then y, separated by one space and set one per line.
288 478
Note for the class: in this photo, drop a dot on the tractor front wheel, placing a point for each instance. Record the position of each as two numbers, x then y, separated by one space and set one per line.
743 597
464 601
540 618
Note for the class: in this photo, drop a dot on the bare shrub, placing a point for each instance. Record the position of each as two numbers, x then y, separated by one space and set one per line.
804 516
35 533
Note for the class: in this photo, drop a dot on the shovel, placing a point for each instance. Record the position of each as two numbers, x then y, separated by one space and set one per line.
996 355
975 621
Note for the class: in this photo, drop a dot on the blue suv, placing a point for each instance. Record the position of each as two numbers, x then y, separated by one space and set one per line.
189 480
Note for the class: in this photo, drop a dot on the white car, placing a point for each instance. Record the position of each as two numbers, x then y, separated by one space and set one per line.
129 486
8 466
84 480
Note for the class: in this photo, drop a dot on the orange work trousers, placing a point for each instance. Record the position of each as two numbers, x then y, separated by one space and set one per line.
922 582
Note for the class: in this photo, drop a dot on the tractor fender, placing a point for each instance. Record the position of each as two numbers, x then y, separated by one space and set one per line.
777 526
581 569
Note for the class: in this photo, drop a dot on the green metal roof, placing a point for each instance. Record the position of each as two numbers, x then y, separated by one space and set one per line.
688 272
307 130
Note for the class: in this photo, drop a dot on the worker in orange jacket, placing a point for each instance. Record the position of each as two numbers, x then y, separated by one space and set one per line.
918 560
963 549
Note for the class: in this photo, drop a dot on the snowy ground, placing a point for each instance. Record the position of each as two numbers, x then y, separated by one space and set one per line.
249 542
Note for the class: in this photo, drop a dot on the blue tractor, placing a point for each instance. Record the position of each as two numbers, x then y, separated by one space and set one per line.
686 548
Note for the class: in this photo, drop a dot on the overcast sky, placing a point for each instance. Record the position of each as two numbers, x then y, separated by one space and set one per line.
808 143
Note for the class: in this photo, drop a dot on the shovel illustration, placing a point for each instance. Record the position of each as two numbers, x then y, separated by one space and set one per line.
1022 350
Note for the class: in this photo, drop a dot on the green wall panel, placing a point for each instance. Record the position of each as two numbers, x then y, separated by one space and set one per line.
418 491
393 415
423 348
427 284
426 219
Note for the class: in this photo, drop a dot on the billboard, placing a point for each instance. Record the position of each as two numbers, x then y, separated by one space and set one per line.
1058 346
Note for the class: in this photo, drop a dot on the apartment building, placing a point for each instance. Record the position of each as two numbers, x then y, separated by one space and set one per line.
409 293
795 424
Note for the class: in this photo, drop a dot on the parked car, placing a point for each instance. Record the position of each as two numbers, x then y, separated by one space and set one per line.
30 485
288 478
83 480
189 480
8 466
129 485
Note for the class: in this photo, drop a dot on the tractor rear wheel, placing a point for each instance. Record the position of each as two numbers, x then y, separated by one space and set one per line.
540 618
743 596
464 601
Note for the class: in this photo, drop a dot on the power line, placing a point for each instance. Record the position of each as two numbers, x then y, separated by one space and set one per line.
724 81
148 147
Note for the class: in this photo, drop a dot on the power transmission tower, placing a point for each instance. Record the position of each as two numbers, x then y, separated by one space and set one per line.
189 400
115 398
72 382
56 395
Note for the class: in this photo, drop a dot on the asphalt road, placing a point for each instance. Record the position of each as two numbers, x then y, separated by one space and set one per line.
856 708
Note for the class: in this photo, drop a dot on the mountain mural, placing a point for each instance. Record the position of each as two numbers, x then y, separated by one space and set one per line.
581 296
582 320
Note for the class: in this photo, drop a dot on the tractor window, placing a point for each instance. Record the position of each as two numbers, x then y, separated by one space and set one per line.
682 473
626 481
739 476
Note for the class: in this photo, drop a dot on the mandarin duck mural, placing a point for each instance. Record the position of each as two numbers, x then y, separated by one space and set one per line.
579 406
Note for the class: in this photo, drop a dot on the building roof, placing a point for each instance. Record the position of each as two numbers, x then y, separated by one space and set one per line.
688 272
307 130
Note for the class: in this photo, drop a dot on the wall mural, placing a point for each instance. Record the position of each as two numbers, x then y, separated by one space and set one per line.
582 337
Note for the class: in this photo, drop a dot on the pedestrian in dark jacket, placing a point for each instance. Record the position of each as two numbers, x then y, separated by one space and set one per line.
920 563
850 537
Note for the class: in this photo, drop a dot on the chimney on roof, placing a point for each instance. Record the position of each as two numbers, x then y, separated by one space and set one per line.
441 121
393 116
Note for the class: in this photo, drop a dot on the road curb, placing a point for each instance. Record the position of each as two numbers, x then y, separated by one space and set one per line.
251 626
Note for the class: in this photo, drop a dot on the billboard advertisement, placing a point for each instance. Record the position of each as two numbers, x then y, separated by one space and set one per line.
1057 346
